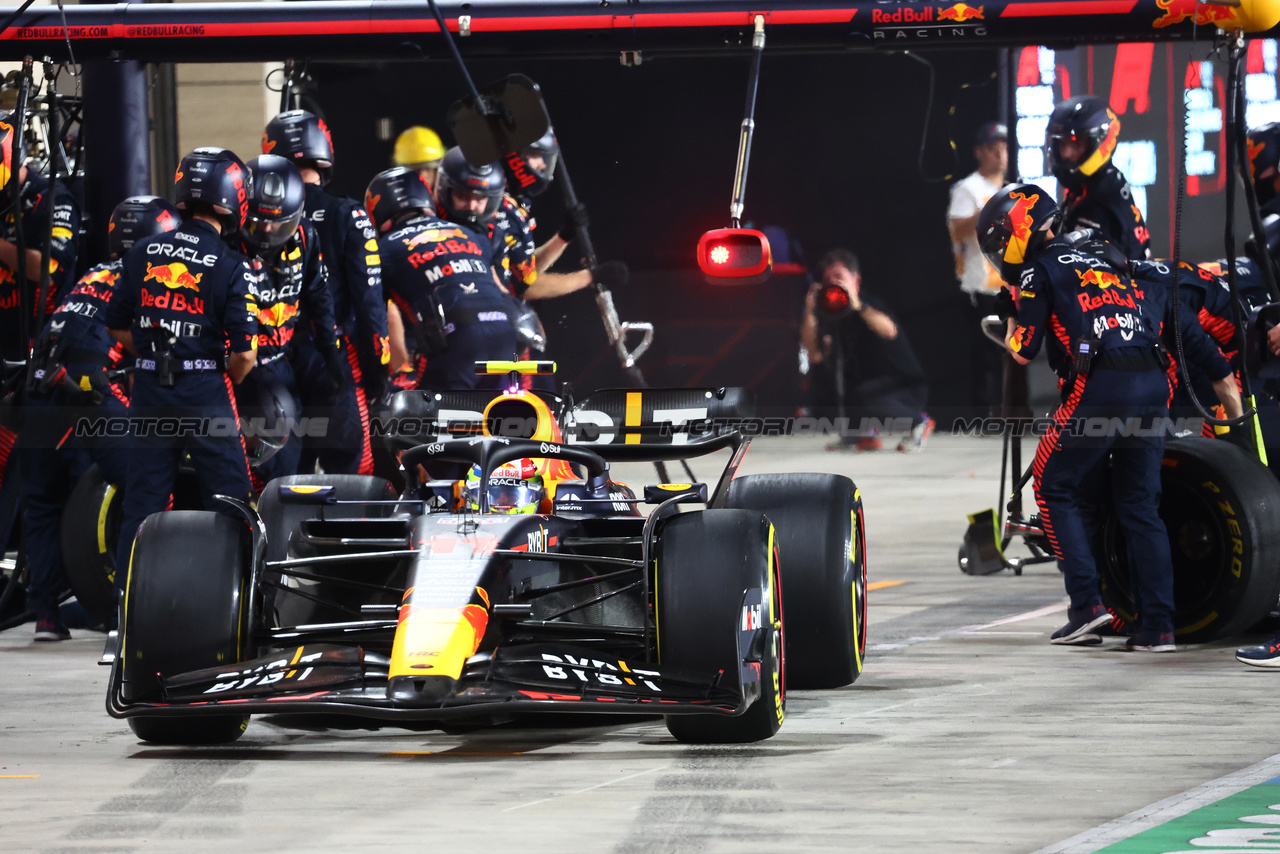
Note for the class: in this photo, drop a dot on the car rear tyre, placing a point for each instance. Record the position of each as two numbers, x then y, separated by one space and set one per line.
822 552
89 533
1220 507
185 609
705 562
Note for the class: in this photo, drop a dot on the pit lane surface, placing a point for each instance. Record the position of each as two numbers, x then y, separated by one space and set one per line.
967 732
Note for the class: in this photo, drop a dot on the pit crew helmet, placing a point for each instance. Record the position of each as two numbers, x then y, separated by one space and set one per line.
275 206
458 175
1012 226
264 402
9 151
418 147
217 179
303 139
1264 160
138 217
394 192
534 180
1086 118
514 488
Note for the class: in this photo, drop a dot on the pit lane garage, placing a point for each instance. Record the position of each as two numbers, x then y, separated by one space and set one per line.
949 706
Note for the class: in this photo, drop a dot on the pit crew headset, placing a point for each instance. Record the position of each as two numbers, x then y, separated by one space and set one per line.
302 139
1088 119
275 206
1264 159
1013 225
392 194
547 150
216 179
458 175
136 218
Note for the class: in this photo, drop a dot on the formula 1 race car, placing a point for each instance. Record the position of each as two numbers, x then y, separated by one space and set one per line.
444 604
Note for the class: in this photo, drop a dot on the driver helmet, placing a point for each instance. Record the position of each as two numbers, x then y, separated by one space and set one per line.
514 488
1087 119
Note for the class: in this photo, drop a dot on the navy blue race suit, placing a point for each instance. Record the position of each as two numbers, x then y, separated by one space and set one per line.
1106 204
54 454
511 234
292 288
187 297
65 236
429 260
62 255
350 249
1068 297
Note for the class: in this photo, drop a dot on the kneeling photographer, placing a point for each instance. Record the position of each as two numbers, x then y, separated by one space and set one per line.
863 366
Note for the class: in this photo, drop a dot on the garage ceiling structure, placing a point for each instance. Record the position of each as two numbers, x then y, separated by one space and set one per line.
214 32
872 209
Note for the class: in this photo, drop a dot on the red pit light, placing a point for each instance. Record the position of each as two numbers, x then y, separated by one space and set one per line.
735 256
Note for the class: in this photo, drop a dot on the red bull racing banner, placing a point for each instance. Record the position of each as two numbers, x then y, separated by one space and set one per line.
201 32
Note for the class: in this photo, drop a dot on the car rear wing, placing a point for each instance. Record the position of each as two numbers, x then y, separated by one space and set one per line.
656 416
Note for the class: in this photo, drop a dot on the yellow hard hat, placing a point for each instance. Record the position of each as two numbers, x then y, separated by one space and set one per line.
418 146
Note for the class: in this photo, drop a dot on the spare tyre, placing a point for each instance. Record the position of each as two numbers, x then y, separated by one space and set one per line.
1222 510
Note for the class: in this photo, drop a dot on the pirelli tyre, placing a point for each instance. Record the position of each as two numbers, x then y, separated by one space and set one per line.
282 520
89 533
185 609
822 555
706 562
1222 509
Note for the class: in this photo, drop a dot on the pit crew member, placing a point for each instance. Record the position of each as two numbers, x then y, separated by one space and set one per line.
420 149
284 252
349 246
440 277
71 359
1103 330
1082 136
183 300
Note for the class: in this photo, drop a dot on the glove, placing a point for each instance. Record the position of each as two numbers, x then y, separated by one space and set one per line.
377 387
575 220
334 370
612 274
1005 307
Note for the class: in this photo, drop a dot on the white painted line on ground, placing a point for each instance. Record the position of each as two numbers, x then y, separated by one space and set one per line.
1167 810
587 789
1006 634
966 630
1029 615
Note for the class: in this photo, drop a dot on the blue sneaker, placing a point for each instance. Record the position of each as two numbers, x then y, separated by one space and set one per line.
51 630
1150 640
1267 655
1081 626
